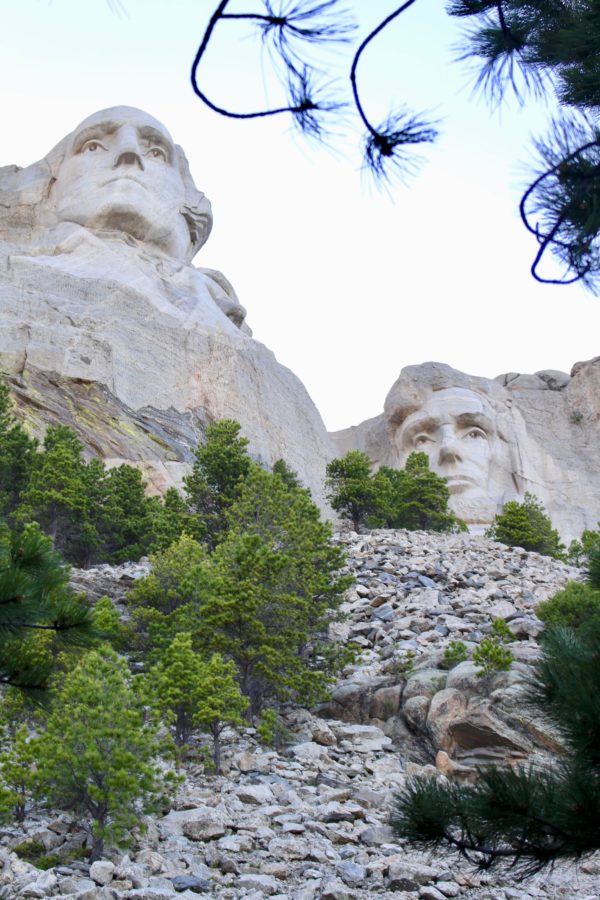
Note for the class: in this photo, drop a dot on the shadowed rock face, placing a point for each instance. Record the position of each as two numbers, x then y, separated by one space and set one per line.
495 439
97 288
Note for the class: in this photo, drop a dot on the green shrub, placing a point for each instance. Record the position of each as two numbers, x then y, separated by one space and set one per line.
35 853
527 525
272 730
402 665
577 606
579 551
501 632
455 653
490 657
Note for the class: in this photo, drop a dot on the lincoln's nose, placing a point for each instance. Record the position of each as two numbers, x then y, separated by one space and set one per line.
449 448
127 149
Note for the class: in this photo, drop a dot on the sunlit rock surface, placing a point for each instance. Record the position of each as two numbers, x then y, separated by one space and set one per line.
106 324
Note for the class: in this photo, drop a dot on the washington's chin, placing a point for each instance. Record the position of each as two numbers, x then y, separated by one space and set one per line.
122 217
131 222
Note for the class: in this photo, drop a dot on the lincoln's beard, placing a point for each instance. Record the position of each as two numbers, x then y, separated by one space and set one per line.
473 509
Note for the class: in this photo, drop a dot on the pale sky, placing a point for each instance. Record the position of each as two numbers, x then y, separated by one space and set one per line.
344 283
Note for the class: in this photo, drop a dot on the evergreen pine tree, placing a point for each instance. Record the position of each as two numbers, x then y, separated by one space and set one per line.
126 521
18 456
97 757
35 599
526 525
220 702
220 467
414 497
287 475
194 694
64 495
525 47
275 583
352 490
172 519
168 600
17 774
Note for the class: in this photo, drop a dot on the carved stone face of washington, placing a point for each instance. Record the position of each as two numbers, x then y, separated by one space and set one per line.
122 172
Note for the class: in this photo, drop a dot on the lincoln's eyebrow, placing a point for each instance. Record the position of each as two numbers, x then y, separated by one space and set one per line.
464 420
422 423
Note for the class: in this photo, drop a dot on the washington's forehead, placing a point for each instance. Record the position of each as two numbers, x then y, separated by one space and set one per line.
123 115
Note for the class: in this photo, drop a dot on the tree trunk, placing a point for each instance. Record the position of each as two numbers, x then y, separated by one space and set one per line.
97 848
216 734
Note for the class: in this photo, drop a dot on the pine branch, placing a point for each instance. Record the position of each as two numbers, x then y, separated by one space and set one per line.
385 145
285 29
566 197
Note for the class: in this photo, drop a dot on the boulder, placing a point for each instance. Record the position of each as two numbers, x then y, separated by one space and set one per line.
102 871
409 876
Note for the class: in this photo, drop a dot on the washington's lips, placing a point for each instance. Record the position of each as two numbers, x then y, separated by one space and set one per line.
125 178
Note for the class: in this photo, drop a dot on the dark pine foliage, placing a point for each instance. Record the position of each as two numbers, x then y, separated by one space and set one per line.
35 598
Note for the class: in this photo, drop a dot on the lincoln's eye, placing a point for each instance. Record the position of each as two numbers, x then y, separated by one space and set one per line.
476 434
157 153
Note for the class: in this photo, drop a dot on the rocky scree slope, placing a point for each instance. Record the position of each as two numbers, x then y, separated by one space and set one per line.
311 820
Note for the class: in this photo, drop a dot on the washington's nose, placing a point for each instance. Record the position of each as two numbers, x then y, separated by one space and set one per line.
127 149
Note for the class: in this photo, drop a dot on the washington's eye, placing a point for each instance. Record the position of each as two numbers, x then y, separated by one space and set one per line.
92 146
157 153
422 439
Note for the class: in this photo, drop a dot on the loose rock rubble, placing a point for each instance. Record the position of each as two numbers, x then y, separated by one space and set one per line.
310 821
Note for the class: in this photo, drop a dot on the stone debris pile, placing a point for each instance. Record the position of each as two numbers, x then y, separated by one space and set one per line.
415 593
311 819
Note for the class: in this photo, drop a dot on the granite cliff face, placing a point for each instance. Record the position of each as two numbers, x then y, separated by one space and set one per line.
493 440
105 324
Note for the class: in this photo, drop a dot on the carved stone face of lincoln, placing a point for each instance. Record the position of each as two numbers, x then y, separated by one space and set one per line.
120 172
455 429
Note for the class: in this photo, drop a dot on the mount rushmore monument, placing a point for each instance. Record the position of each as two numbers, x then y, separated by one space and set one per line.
107 326
493 440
